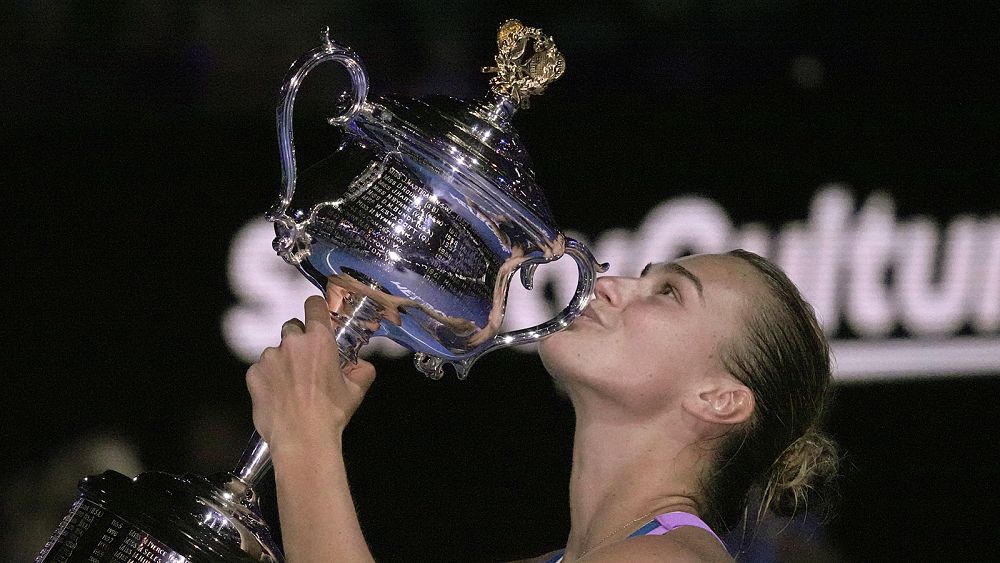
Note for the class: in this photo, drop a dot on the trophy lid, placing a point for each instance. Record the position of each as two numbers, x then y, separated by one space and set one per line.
475 140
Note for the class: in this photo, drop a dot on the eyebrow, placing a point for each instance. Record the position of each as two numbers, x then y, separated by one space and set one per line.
676 268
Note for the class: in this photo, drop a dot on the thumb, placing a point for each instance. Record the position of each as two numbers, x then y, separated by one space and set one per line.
361 374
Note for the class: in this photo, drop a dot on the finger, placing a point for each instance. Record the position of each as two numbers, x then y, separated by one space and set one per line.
317 311
254 381
266 353
250 378
292 325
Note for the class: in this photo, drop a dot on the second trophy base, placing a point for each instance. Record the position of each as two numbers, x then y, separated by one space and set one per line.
162 518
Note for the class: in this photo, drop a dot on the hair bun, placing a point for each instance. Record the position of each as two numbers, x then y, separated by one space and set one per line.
803 475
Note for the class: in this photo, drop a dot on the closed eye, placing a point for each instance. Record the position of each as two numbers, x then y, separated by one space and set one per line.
669 290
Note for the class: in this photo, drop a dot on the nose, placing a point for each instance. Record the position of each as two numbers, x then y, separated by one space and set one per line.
613 289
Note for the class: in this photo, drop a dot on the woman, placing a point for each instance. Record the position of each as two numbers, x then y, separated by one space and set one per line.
692 384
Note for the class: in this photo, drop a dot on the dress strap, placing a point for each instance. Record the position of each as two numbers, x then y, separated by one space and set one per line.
660 525
673 520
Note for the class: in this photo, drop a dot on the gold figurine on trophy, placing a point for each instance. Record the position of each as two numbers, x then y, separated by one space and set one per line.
520 72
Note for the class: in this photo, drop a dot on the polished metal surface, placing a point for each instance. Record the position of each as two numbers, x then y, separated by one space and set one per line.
438 210
416 225
413 229
161 518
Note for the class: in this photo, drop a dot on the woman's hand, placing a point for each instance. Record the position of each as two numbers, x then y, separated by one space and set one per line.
302 401
301 397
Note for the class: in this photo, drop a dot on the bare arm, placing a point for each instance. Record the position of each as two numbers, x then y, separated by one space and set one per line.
302 401
318 520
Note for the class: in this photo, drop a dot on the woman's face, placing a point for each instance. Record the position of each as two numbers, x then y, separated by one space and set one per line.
645 340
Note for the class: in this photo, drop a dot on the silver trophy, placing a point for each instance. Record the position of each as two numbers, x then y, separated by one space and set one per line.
414 228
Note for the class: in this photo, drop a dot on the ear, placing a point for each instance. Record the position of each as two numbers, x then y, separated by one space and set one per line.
722 400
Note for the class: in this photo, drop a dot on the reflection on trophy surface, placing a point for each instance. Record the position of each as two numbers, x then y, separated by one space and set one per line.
413 229
428 209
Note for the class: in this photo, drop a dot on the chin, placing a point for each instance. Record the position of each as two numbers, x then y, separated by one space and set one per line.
545 346
560 354
554 363
555 344
548 351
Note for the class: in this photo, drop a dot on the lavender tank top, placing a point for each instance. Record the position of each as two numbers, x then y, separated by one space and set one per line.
658 526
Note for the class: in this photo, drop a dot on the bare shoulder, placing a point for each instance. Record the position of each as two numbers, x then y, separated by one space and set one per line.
686 544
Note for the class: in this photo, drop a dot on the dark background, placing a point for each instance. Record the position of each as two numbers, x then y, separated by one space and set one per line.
138 137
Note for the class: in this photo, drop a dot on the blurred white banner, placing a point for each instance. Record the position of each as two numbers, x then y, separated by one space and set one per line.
922 298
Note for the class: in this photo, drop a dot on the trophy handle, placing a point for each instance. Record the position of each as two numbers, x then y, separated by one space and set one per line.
292 242
588 267
290 235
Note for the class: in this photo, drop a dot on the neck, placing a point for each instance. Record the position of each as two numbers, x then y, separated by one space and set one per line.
625 471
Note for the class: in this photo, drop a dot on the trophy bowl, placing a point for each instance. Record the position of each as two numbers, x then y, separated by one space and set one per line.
436 212
414 228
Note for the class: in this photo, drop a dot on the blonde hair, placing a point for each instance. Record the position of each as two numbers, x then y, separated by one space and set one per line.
808 465
782 356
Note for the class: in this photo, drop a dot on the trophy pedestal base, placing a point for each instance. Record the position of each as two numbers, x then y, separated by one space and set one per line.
162 518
